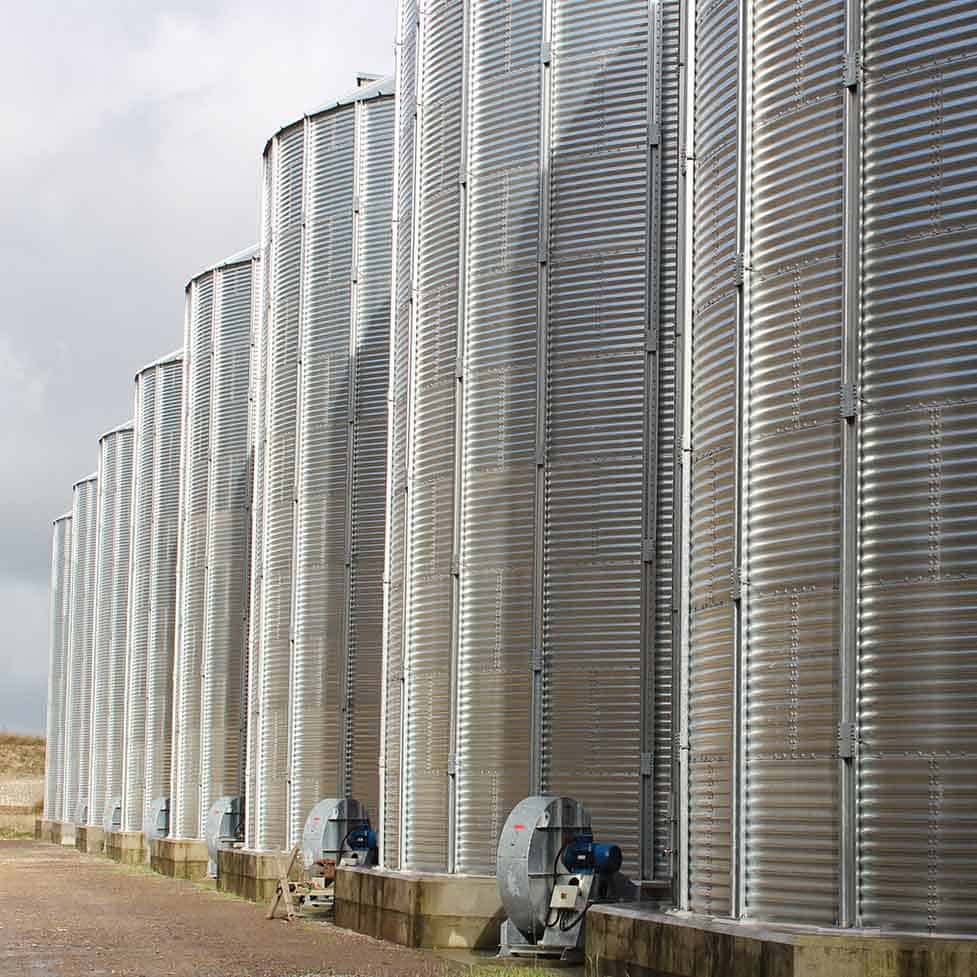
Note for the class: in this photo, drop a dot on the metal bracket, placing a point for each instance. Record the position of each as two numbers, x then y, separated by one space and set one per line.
647 765
537 661
849 401
648 551
654 134
739 269
455 565
545 54
354 274
460 368
736 586
452 766
540 456
356 205
651 341
852 69
847 736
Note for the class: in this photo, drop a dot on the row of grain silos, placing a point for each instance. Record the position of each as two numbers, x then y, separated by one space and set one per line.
594 419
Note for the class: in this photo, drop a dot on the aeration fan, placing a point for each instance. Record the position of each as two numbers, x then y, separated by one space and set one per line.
550 871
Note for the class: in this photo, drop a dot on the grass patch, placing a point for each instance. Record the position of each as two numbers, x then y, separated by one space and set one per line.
21 756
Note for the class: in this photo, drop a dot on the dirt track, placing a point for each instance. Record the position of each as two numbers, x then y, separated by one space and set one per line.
64 914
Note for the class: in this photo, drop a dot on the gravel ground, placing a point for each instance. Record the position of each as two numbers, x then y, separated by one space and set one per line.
65 914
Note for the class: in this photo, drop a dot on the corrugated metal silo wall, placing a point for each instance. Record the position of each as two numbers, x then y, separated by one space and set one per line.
78 686
259 456
829 765
212 578
115 460
530 469
57 667
315 711
402 272
152 588
192 566
222 733
918 669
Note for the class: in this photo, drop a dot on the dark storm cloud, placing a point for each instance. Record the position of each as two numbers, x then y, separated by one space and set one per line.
132 140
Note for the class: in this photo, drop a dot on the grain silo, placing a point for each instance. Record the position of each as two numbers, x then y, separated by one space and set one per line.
320 465
111 616
215 527
831 668
78 684
528 613
152 594
57 667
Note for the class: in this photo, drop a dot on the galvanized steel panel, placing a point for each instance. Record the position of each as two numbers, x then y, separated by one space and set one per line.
405 143
595 636
316 717
57 667
918 671
431 462
557 169
315 764
152 588
213 570
222 720
793 466
137 639
81 617
115 466
713 410
259 436
192 565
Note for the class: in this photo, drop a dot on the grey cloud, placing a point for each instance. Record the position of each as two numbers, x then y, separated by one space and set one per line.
133 136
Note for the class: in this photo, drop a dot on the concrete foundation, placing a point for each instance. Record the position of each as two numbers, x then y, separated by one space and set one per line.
90 838
63 833
625 941
251 874
44 829
420 910
127 847
179 858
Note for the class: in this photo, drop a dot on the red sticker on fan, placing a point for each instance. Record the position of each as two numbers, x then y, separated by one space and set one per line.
519 827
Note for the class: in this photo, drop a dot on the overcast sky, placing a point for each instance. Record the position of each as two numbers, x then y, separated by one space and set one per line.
131 140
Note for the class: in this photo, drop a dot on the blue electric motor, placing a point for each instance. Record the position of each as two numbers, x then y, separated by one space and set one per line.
583 854
362 839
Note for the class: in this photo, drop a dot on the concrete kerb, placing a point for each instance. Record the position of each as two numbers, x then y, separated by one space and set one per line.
90 838
251 875
127 847
637 942
419 909
179 858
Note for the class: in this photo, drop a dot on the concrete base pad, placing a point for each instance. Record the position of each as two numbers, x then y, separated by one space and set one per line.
251 874
90 838
127 847
627 940
179 858
420 910
63 833
44 829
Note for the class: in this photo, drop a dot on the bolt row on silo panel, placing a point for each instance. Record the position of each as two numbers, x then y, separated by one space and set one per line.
208 698
321 465
397 421
526 444
830 756
78 685
57 667
115 457
258 435
152 588
917 454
